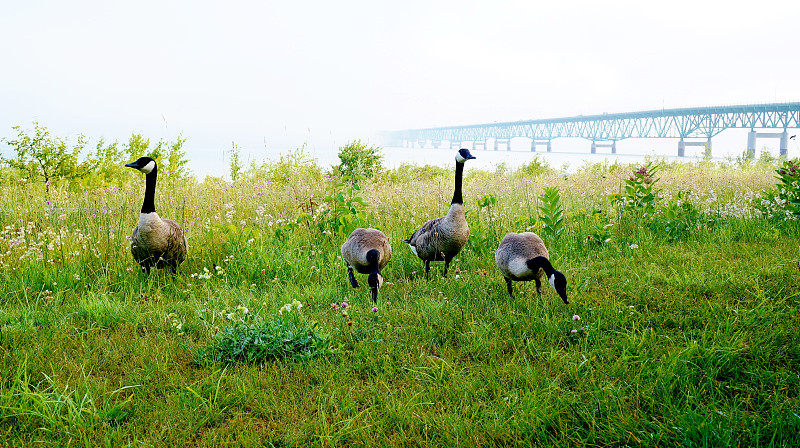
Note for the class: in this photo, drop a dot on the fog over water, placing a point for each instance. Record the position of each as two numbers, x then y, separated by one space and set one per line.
568 154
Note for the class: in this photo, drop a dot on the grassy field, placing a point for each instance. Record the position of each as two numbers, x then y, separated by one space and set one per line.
687 332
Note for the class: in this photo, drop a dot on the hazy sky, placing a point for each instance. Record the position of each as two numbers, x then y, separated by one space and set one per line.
277 74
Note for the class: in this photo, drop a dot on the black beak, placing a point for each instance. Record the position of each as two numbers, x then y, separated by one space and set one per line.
374 295
132 165
470 157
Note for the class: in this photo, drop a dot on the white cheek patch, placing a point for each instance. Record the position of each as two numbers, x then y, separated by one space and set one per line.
380 280
147 169
460 159
552 280
413 249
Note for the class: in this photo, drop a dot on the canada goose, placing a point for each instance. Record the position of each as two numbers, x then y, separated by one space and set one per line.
155 241
368 251
523 257
443 238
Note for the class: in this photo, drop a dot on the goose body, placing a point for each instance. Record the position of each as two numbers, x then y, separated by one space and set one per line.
524 257
441 239
367 251
156 242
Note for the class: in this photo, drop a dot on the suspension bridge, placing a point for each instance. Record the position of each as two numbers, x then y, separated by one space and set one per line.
694 126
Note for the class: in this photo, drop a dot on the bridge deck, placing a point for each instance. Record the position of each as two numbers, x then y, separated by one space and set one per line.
681 123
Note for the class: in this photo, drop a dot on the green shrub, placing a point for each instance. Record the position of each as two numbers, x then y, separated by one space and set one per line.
782 203
296 164
359 161
345 208
536 167
678 217
638 195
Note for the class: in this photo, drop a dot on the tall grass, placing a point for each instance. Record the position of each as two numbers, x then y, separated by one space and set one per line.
688 340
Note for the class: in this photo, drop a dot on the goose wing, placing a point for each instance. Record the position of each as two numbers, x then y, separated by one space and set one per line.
423 232
177 246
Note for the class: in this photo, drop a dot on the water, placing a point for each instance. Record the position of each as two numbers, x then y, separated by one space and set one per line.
568 154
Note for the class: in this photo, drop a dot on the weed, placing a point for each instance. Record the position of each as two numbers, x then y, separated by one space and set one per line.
289 335
551 214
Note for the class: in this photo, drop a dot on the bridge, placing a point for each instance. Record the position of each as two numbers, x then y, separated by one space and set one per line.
605 130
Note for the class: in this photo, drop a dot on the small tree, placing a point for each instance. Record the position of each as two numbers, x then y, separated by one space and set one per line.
359 161
175 157
169 155
45 158
110 170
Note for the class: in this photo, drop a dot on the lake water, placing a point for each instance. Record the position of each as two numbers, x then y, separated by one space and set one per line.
567 154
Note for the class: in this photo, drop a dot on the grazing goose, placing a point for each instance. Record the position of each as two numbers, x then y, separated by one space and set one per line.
156 241
367 251
523 257
443 238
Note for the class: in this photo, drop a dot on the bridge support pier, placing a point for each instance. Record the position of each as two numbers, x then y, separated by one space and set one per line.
753 135
683 144
541 142
498 141
477 143
612 145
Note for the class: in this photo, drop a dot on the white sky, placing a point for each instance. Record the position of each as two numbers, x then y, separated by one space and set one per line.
278 74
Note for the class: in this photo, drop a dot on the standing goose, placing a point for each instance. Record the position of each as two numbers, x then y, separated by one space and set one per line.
367 251
443 238
523 257
156 241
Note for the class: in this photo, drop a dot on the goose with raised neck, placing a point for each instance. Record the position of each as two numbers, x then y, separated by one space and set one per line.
441 239
156 242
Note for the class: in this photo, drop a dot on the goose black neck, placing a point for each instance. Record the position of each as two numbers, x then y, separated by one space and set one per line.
534 264
372 259
457 199
148 205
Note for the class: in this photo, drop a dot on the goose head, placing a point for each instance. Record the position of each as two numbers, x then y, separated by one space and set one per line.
463 155
559 283
143 164
375 281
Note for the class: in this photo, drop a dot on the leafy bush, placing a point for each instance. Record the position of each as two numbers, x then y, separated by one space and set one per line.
296 164
288 335
345 209
678 217
782 203
359 161
639 196
536 167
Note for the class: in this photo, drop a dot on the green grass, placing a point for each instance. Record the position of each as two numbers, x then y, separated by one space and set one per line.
685 342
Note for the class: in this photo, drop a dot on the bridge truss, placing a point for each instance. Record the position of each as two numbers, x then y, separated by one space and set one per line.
697 122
